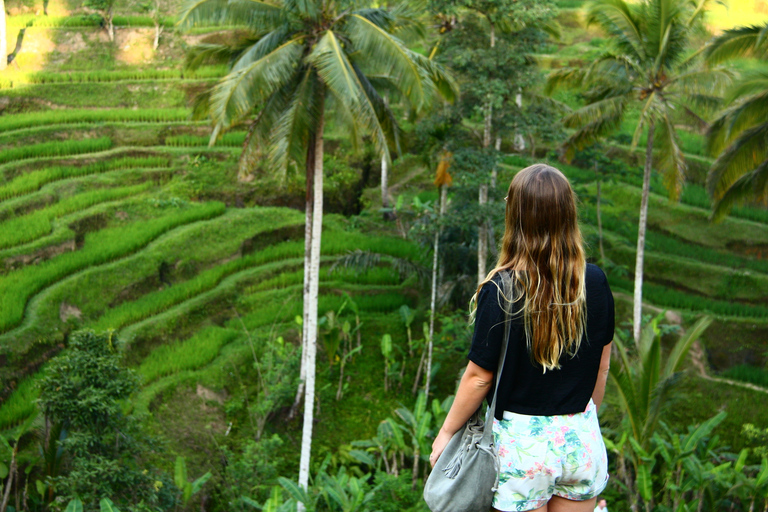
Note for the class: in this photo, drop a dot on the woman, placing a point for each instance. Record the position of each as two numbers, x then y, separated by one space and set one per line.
545 425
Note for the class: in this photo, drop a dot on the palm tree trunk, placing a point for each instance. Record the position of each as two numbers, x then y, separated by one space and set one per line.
637 310
312 300
308 213
3 42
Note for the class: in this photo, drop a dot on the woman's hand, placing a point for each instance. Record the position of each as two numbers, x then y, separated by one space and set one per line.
441 441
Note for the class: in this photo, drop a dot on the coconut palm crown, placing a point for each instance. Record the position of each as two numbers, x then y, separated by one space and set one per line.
739 136
649 69
299 54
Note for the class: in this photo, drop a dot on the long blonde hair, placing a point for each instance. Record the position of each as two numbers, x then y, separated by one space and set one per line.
543 249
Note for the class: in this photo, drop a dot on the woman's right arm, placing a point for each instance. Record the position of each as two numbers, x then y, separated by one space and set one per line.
602 376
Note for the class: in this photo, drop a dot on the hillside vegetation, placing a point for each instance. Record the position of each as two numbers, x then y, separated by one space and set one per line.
116 214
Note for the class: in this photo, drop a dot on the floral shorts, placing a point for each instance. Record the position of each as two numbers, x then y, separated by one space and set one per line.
542 456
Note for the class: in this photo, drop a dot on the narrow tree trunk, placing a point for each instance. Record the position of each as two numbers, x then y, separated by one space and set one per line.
158 31
418 373
519 139
599 218
482 235
433 299
385 187
482 199
314 285
110 26
9 483
416 456
637 310
3 42
308 214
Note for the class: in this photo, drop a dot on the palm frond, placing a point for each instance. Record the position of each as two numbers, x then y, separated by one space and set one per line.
303 9
746 153
336 71
608 108
670 158
737 42
384 113
389 54
252 82
616 18
441 79
255 13
737 118
291 132
751 186
752 84
702 81
564 78
203 53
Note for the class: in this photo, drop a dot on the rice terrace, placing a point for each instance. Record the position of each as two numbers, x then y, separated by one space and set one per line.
232 227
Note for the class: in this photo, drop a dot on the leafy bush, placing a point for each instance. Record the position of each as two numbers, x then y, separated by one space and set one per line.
56 148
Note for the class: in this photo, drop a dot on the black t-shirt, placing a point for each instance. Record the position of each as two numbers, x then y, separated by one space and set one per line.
524 387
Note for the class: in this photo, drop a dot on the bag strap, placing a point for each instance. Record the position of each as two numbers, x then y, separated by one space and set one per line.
489 415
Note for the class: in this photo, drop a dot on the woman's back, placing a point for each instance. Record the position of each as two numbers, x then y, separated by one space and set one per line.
525 388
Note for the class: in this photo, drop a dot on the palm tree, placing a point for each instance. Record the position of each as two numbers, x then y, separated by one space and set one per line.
740 134
300 60
649 68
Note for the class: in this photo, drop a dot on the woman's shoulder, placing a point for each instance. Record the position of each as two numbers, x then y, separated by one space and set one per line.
595 274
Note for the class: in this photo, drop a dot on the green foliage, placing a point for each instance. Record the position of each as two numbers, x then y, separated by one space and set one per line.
186 487
101 247
84 389
250 475
56 148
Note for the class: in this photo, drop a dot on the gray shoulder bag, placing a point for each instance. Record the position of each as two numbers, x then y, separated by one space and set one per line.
466 475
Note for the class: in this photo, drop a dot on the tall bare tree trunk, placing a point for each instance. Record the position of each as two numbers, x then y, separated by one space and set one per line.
519 139
482 196
308 213
433 299
637 307
311 315
3 35
599 217
385 187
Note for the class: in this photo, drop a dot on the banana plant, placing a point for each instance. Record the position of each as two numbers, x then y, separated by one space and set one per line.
387 352
417 423
187 488
408 315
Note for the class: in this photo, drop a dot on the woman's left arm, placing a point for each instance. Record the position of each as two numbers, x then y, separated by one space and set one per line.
473 388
